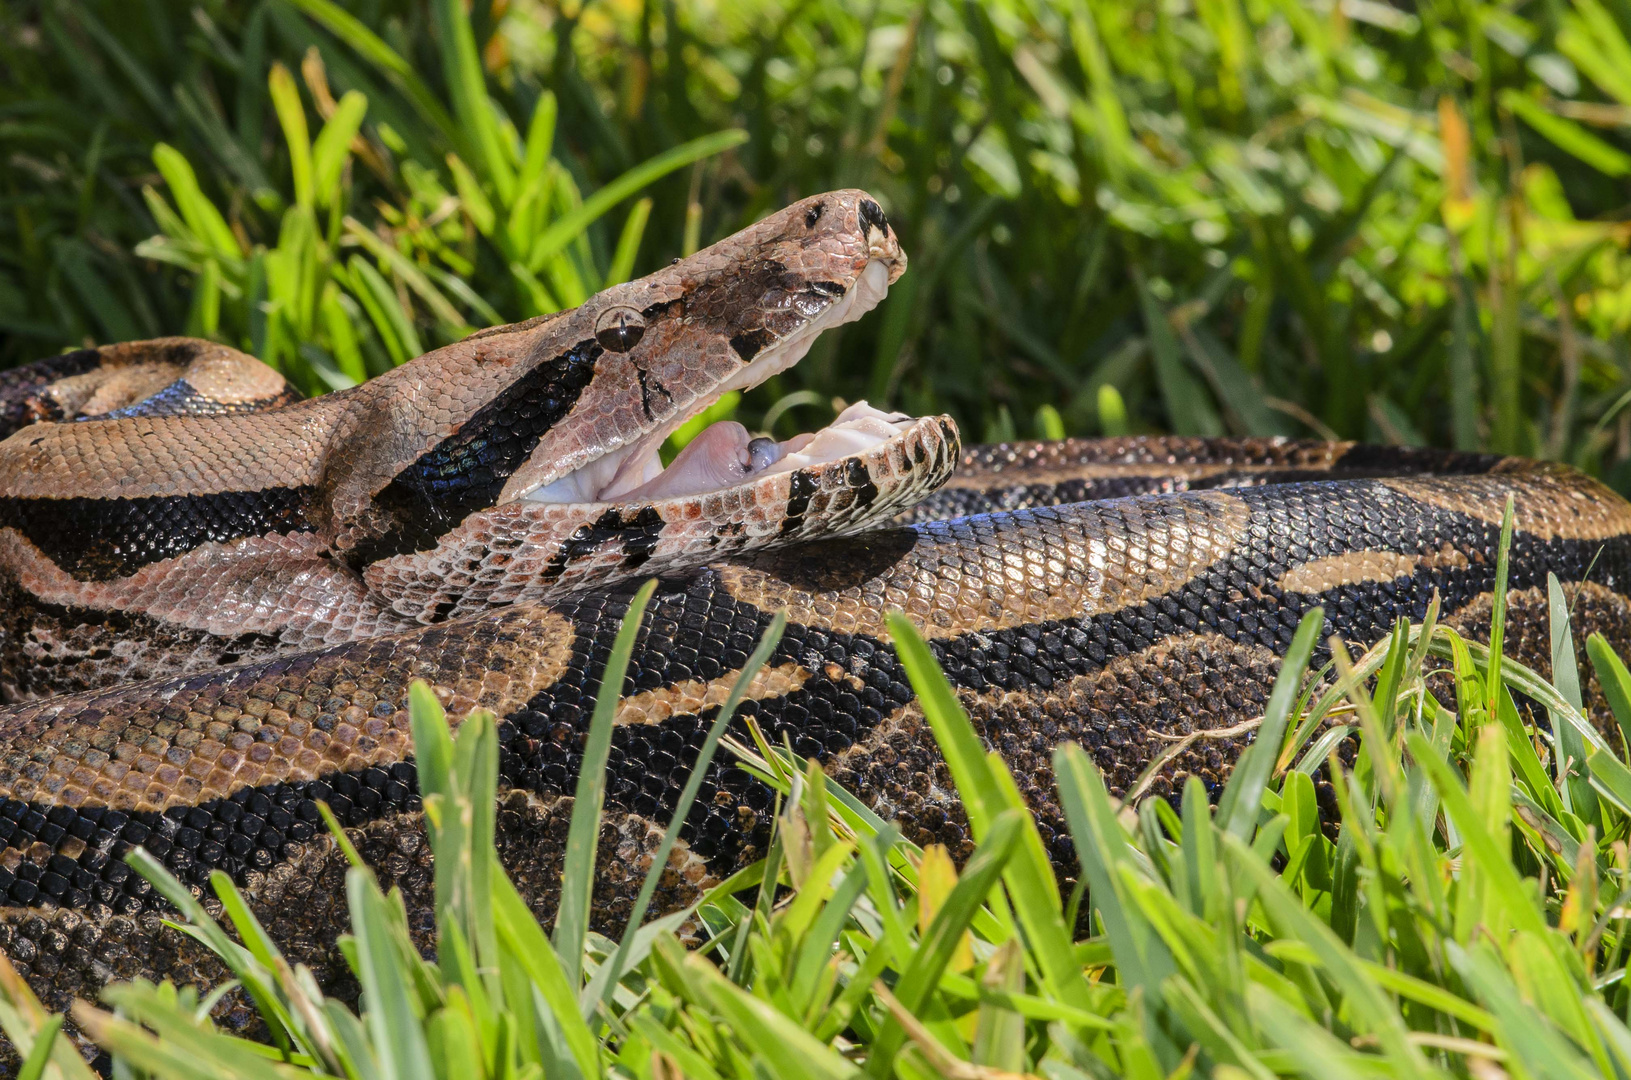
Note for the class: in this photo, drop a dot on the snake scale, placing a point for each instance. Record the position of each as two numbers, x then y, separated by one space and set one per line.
215 597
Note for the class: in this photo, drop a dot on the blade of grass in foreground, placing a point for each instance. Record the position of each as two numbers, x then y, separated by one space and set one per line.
1362 996
1615 681
1238 808
987 790
32 1030
1571 761
606 979
583 835
386 59
1143 961
936 947
564 1033
564 230
396 1031
773 1038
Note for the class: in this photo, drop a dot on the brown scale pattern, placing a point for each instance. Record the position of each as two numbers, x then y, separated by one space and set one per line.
201 377
66 651
1168 624
999 571
70 954
291 720
1023 475
388 472
1124 716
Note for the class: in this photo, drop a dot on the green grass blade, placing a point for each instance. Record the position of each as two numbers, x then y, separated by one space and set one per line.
1103 846
692 1064
371 47
333 147
432 739
986 790
1568 136
291 114
816 948
946 930
394 1026
1615 681
583 834
1465 375
1186 399
201 216
180 1053
45 1041
1315 1050
1497 617
1368 1005
628 245
786 1049
570 226
1113 421
1479 844
260 945
1391 675
461 291
693 783
460 799
391 323
965 757
411 276
1240 805
1532 1039
471 196
540 141
527 946
1571 759
467 85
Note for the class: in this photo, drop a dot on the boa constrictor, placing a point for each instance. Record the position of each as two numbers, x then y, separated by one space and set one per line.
215 597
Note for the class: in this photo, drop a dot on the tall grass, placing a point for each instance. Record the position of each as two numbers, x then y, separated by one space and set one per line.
1462 912
1228 216
1402 223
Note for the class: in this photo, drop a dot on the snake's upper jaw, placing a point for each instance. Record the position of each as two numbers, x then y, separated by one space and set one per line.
870 287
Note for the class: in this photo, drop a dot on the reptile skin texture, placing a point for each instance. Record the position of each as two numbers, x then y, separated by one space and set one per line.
1121 625
210 617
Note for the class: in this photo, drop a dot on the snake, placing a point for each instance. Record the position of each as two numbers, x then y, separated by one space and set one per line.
216 595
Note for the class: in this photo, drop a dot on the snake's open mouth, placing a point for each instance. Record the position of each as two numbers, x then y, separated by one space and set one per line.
725 455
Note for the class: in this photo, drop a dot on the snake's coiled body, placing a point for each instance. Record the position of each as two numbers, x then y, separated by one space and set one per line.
1134 626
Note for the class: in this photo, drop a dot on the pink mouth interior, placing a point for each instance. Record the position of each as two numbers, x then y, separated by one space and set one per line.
724 455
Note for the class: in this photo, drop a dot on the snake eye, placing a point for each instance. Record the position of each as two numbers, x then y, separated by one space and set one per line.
620 329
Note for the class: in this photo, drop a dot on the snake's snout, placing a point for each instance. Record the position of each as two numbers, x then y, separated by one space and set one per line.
883 245
848 226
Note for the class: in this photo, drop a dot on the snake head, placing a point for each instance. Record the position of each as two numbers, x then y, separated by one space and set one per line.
727 318
573 407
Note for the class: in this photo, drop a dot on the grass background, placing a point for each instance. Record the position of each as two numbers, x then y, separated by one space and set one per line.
1404 223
